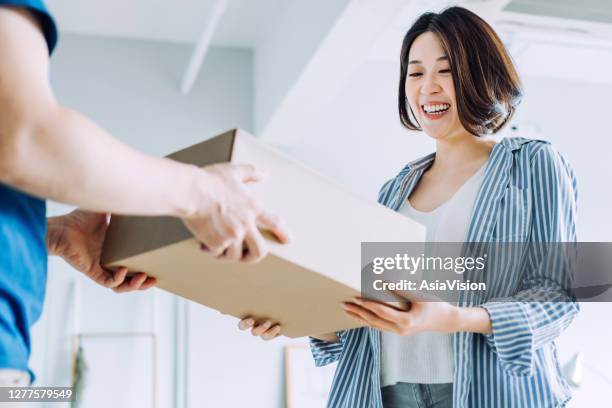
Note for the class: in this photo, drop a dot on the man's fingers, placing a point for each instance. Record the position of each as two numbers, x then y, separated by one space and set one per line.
218 251
218 237
124 287
209 234
213 236
138 281
248 173
275 225
117 277
256 246
233 252
148 283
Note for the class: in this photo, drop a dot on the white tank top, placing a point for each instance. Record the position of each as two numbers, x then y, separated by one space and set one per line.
427 358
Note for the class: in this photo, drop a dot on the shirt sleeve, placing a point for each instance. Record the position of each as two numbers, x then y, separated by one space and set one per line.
40 11
545 306
327 352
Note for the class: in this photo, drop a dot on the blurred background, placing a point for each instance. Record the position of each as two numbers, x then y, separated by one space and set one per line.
317 79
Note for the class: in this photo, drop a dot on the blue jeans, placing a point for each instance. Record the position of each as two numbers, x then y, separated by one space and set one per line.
408 395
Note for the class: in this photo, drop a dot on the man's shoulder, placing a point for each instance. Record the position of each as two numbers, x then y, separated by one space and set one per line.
40 12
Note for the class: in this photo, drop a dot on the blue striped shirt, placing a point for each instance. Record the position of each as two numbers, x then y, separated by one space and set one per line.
529 194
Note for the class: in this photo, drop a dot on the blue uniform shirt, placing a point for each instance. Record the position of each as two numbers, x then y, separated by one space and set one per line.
23 251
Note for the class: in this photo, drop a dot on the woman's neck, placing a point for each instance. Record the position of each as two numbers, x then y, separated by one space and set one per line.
459 152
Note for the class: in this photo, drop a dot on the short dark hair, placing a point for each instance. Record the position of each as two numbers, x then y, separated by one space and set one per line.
487 85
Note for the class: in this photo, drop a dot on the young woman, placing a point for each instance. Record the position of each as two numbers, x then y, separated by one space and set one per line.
458 84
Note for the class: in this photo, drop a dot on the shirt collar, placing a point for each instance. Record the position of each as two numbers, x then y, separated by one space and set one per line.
509 143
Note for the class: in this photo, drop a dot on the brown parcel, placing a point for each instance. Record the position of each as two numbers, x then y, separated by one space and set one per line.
300 285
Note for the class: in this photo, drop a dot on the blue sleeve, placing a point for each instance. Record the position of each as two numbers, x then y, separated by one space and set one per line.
39 10
544 308
326 352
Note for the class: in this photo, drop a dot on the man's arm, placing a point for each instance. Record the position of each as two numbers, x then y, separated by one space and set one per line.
53 152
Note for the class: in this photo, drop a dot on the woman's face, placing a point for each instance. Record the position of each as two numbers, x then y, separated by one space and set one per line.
429 88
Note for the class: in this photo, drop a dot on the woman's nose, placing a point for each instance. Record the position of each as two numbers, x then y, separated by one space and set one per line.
430 86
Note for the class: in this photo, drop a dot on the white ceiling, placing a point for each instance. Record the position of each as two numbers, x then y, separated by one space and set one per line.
243 24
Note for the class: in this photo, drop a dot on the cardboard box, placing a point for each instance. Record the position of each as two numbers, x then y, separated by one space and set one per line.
300 285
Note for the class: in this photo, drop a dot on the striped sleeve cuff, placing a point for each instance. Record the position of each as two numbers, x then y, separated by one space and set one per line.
512 339
326 352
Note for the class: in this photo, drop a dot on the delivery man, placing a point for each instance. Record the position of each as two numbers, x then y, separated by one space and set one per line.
48 151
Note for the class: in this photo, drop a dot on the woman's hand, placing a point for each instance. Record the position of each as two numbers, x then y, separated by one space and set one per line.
424 313
266 330
78 238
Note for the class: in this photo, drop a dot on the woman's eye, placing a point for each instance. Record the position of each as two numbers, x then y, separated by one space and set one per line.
415 74
445 71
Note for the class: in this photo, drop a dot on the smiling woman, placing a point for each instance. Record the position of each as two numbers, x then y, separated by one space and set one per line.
496 348
471 65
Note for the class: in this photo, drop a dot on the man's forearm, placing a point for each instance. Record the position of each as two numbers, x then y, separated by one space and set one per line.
55 228
65 157
53 152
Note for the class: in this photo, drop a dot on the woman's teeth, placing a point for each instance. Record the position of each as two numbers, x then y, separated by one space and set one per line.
439 108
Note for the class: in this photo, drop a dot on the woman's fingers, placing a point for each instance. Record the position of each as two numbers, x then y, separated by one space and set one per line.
383 311
266 330
246 323
271 333
369 317
261 328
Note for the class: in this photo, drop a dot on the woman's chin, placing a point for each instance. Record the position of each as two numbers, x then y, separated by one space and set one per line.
437 134
443 132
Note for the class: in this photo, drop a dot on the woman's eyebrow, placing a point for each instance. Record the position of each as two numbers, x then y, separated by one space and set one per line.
442 58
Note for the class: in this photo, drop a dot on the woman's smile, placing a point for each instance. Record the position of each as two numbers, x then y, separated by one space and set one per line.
435 110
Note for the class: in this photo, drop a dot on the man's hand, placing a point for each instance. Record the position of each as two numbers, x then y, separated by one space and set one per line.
78 237
43 153
229 217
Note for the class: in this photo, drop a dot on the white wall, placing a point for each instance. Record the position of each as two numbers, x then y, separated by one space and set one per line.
290 41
